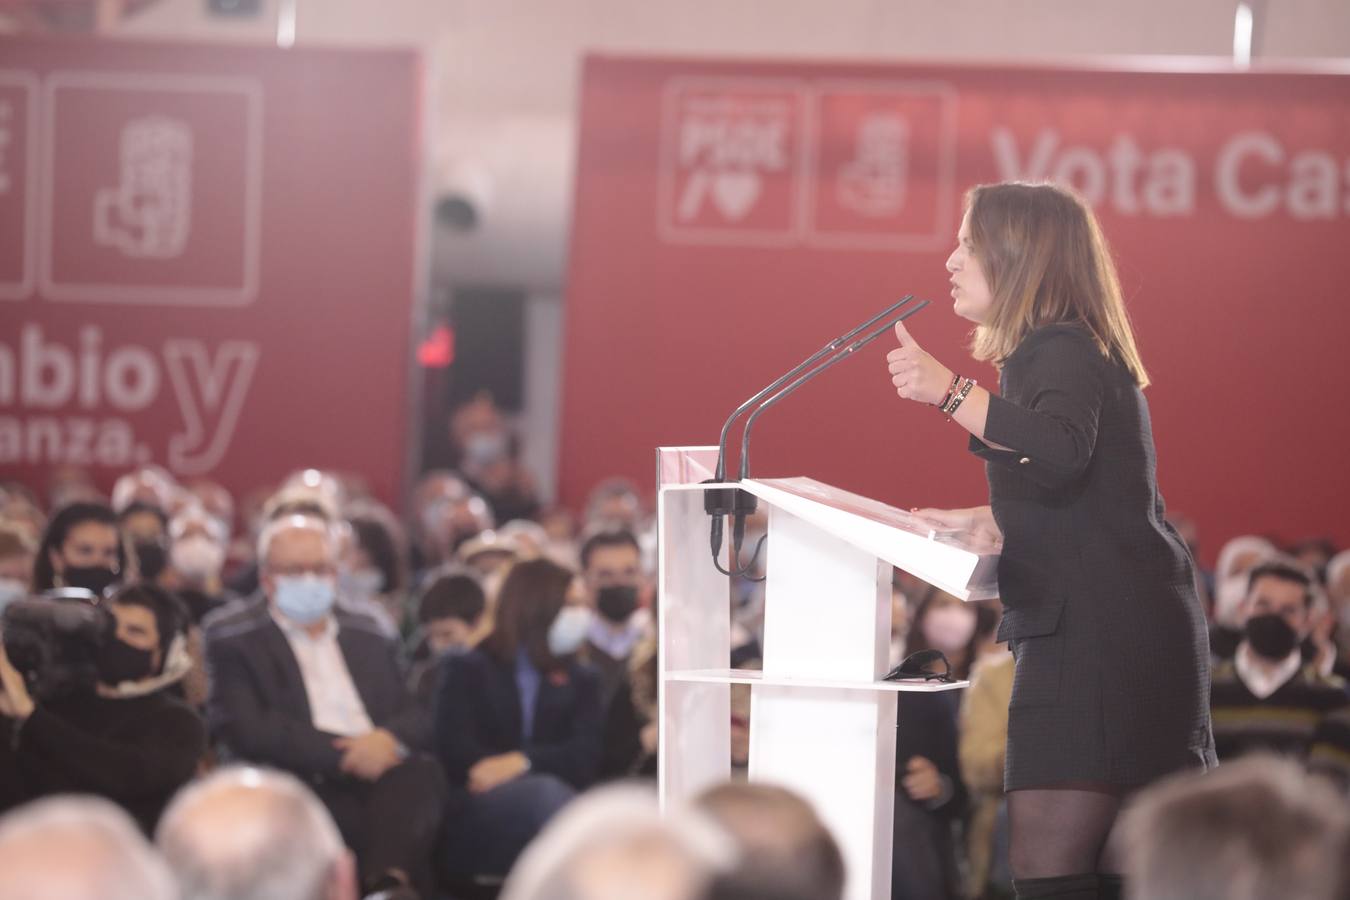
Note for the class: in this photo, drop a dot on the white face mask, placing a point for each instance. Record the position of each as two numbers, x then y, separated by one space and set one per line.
197 558
360 583
949 628
569 630
11 589
1228 596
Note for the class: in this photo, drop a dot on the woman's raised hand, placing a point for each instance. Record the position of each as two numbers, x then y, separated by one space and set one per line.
914 372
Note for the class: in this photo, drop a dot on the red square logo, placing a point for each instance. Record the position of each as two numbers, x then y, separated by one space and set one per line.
154 189
882 175
731 156
18 194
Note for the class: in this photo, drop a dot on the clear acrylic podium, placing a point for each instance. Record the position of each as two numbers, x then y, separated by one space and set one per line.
822 722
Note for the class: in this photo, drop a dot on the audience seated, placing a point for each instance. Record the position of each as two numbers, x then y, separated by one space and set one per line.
78 848
17 550
450 616
1338 598
616 844
306 686
930 796
632 735
446 512
611 565
487 452
254 834
1267 697
198 545
982 749
518 720
1236 560
1256 829
127 737
529 682
373 568
82 548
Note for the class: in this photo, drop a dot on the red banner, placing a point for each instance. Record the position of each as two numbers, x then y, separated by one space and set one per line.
732 217
206 259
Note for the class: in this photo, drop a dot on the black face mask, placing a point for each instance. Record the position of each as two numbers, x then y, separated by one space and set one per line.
151 559
95 579
1271 636
617 602
118 661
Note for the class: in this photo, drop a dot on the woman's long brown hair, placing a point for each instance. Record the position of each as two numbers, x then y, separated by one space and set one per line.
1047 263
529 600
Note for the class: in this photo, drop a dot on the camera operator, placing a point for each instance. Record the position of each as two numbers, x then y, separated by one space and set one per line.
126 737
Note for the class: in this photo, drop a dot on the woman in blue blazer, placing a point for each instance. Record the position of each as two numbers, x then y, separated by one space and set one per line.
518 720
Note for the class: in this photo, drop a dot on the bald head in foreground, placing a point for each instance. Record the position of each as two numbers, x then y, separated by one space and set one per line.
78 848
613 843
253 834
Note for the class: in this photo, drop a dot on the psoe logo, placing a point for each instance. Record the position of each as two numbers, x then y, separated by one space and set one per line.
731 160
82 403
872 183
883 160
148 213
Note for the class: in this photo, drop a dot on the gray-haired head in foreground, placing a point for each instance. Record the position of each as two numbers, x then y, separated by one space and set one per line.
1257 828
78 848
250 834
614 844
786 851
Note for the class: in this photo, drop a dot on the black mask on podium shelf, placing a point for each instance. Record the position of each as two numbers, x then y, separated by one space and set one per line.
1271 636
95 579
617 602
921 666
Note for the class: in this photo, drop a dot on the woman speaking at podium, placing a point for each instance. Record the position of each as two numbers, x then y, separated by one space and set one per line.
1111 689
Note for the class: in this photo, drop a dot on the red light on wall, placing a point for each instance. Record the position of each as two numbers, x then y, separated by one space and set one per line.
438 350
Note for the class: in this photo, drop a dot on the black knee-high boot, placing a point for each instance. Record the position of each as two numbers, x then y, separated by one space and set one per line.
1111 887
1061 887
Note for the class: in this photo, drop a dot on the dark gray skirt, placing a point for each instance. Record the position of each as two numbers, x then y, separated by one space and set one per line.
1118 700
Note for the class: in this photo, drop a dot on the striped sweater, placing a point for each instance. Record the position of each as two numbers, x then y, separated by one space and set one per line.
1307 718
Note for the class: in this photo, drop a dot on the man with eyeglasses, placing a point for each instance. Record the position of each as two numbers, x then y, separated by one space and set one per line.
302 684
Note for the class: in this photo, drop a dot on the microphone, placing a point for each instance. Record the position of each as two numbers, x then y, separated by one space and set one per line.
796 370
738 503
803 379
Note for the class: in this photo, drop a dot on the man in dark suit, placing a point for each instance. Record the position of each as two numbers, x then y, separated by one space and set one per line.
303 685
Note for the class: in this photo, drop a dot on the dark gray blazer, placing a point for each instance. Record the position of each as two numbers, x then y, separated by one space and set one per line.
1077 497
258 708
1112 677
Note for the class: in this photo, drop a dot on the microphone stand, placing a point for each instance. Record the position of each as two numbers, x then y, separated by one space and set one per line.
739 503
719 503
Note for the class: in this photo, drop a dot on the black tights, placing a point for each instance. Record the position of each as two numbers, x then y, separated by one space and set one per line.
1062 832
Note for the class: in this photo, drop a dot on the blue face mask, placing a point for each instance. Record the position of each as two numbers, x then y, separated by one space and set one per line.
304 599
569 630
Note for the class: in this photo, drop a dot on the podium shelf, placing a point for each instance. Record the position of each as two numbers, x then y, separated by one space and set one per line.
751 676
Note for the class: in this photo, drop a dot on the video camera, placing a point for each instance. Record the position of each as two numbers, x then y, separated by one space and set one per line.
53 640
